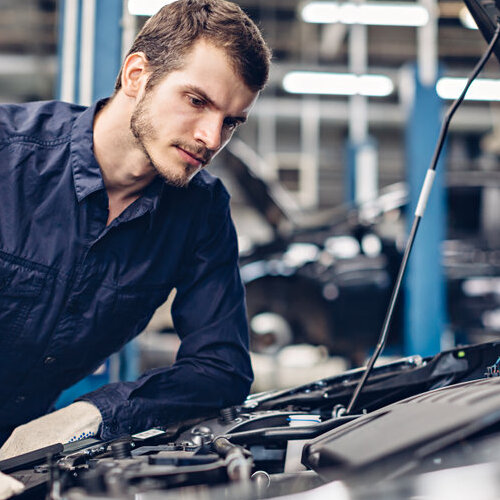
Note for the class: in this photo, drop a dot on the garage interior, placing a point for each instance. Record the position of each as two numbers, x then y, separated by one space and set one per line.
324 184
324 159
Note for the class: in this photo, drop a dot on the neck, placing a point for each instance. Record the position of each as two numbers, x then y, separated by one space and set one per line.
125 169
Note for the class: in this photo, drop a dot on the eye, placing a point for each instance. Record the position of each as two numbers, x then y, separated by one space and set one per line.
231 123
196 101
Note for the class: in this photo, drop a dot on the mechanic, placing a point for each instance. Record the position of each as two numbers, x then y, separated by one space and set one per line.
104 210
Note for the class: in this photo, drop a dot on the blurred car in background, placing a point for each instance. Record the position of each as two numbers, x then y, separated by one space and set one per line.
325 278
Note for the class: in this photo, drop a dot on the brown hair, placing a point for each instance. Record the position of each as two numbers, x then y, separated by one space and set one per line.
167 37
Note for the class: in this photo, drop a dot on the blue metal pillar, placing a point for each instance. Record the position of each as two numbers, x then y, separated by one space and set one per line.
90 53
108 46
425 302
90 48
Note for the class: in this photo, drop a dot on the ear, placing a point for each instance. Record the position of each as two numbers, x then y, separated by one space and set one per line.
135 74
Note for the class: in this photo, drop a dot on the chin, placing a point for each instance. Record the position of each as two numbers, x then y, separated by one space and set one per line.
175 179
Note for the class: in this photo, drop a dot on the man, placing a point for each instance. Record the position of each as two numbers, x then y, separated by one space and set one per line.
104 211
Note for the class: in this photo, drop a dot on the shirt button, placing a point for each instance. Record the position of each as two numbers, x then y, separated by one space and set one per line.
49 360
20 399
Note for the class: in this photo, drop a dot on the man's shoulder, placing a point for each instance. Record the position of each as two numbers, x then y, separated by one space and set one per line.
38 121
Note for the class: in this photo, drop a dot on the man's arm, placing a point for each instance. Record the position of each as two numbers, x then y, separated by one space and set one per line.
212 369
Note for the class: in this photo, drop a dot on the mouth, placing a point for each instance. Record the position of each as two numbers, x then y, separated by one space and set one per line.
191 158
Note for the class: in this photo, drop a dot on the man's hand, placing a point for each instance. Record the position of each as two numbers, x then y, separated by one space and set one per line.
74 422
9 486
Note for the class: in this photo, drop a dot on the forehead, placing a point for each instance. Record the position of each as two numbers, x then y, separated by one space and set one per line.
210 69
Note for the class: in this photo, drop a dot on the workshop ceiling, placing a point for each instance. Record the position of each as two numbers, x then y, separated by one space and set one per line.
29 27
292 39
28 68
29 32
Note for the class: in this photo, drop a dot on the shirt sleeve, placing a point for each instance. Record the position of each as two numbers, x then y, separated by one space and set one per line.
212 369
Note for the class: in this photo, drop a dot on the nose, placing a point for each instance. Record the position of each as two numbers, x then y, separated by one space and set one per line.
209 132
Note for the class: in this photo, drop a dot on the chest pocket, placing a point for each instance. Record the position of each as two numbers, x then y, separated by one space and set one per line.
132 310
137 305
21 283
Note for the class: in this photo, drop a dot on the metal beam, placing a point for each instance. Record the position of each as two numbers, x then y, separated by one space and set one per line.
472 117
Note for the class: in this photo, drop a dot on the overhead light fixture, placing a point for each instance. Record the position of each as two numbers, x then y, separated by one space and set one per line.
483 89
146 7
311 82
370 13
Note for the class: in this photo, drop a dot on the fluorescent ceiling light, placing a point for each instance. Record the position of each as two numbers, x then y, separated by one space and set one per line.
466 18
383 14
146 7
483 89
309 82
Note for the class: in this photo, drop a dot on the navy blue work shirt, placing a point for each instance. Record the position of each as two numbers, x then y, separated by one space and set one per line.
73 290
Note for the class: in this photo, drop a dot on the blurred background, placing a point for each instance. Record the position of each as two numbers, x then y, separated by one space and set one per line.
325 176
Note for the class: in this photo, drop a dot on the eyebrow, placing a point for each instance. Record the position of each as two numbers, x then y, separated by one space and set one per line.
197 90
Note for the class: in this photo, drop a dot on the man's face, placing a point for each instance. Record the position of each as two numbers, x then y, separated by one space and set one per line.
191 114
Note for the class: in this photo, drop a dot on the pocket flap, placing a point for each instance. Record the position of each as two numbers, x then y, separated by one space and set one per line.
17 280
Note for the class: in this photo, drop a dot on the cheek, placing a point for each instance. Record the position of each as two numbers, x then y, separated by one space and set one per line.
171 117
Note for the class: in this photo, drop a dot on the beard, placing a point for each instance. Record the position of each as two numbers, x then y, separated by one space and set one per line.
144 133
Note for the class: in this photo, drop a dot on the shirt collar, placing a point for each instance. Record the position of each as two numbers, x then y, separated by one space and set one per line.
86 171
151 195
